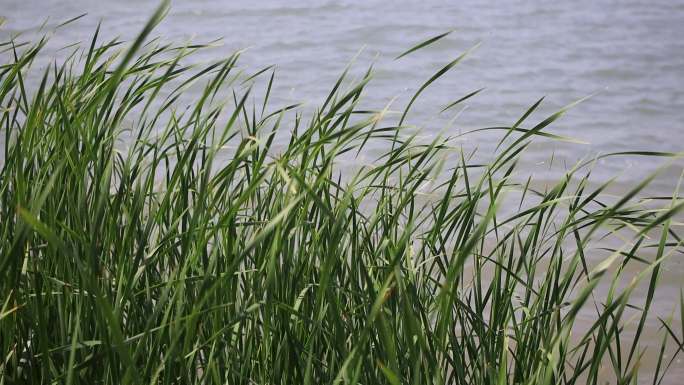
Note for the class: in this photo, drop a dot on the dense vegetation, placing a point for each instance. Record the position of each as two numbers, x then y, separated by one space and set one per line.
149 238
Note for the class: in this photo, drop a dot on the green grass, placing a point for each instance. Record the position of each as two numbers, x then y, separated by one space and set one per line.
150 234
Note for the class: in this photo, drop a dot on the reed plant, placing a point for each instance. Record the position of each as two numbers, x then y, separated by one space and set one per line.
153 233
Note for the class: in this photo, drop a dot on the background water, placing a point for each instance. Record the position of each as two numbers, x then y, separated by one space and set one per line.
630 53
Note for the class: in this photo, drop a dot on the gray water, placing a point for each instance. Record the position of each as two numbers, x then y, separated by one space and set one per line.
629 54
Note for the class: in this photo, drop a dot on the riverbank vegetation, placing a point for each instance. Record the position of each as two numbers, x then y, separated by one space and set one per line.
152 235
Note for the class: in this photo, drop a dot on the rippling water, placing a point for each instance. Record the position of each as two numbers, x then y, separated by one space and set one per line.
630 54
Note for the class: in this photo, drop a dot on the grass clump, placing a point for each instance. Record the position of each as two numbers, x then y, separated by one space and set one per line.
145 240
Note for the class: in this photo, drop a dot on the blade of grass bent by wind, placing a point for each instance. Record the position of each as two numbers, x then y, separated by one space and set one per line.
434 77
423 44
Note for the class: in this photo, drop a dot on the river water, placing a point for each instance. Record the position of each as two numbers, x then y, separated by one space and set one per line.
628 54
